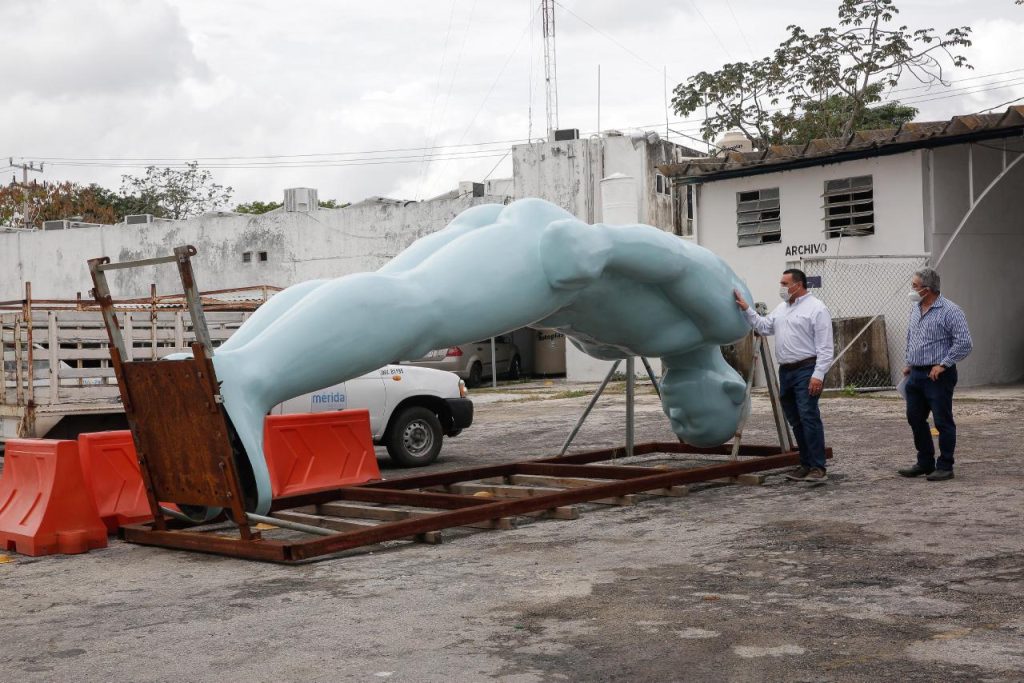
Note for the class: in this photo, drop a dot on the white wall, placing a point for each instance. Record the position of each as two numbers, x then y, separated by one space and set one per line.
913 192
899 217
300 246
980 270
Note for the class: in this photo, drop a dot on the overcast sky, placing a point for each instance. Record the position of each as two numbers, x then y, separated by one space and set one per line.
120 84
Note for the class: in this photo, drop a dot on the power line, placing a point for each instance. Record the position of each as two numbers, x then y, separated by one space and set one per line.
587 23
711 28
451 86
442 149
336 164
469 151
743 33
437 87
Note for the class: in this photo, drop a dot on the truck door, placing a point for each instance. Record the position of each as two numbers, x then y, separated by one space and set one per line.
368 392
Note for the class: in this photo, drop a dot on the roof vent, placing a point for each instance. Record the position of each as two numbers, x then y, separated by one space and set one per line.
301 199
138 218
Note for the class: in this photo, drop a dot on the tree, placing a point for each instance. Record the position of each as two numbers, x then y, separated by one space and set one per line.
174 193
840 70
54 201
828 118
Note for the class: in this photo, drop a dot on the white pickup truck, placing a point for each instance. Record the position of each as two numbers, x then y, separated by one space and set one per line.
411 409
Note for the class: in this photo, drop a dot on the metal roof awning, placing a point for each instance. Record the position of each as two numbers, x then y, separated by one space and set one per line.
859 145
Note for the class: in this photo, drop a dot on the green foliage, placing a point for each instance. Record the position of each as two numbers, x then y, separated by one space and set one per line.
826 80
332 204
174 193
829 117
263 207
258 207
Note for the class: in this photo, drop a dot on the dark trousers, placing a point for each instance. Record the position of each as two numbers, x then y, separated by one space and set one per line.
802 413
925 396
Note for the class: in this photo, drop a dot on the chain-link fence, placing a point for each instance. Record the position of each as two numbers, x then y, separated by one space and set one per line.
856 289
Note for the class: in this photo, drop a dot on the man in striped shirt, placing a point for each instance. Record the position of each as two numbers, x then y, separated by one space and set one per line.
937 340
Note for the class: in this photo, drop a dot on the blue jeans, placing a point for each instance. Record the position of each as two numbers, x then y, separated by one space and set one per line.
925 396
802 413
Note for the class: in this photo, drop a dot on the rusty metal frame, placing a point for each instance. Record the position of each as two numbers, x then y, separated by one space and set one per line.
457 510
201 469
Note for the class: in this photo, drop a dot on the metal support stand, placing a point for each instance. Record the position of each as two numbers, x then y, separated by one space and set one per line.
630 401
763 354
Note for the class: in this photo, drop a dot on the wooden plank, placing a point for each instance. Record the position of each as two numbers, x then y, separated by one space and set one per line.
576 482
512 491
53 348
431 537
749 479
84 373
389 514
90 392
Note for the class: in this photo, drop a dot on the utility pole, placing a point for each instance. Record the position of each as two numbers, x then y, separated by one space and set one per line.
25 168
550 69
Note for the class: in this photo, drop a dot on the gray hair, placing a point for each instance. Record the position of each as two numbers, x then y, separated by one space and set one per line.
929 279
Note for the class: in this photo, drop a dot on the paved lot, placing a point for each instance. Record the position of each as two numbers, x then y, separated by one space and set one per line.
871 577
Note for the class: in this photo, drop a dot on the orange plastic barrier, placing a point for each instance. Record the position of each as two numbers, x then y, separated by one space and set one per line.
46 506
111 470
312 451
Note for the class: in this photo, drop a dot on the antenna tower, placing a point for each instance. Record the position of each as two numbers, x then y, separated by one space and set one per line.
550 69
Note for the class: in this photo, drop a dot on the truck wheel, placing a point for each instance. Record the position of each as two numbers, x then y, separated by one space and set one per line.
515 369
414 439
476 375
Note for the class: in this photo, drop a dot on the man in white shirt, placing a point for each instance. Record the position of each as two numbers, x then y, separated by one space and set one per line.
803 346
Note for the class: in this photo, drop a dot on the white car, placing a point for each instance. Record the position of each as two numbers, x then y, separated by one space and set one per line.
411 409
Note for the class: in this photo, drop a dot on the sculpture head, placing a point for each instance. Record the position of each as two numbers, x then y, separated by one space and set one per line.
705 405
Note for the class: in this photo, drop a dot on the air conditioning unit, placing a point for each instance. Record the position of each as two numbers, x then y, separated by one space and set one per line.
566 134
56 225
301 199
138 218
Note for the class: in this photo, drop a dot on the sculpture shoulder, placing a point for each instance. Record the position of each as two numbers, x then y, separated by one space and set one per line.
573 254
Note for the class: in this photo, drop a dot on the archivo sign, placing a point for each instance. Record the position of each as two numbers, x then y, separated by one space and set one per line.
807 249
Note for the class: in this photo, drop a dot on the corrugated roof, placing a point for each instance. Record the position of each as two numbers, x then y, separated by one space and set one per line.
863 143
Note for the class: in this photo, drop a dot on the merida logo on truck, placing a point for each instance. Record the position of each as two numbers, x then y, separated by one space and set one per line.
333 397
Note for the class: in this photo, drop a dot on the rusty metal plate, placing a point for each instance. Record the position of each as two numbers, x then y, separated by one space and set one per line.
181 434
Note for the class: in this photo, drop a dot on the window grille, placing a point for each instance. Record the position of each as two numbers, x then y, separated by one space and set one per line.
758 217
849 207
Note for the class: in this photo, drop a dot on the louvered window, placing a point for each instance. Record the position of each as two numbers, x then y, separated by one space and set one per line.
757 217
849 207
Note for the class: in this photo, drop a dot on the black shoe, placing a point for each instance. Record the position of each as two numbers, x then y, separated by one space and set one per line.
940 475
915 471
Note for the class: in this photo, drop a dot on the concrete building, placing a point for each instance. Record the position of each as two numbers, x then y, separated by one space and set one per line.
577 174
861 215
300 242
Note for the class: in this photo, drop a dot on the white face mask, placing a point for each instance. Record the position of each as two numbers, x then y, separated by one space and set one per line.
784 293
915 296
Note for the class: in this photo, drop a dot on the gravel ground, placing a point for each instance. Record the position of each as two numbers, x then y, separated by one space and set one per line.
870 577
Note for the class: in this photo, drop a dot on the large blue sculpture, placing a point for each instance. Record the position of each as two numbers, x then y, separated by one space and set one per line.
614 291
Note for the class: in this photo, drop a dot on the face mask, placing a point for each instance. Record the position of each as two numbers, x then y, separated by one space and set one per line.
784 293
914 296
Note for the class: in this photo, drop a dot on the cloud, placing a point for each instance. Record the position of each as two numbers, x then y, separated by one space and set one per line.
83 48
